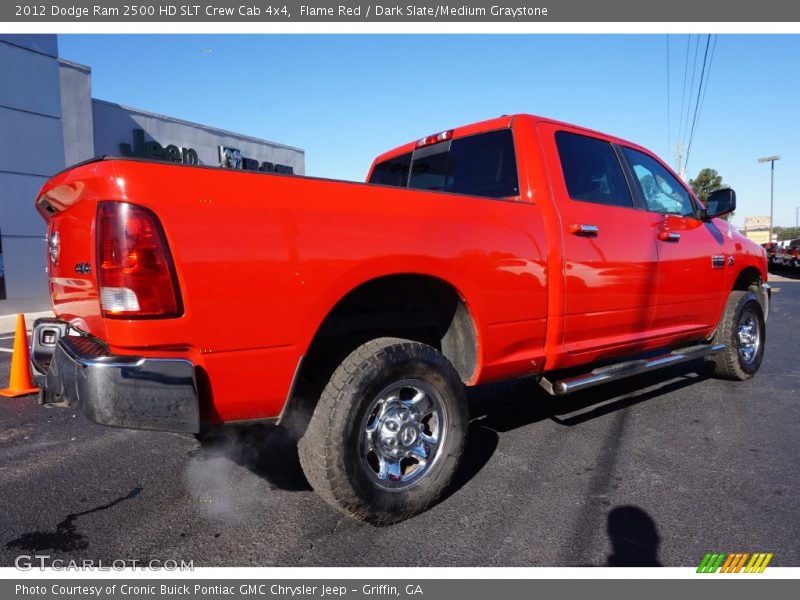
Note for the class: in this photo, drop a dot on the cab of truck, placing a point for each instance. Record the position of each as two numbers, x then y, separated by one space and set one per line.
635 257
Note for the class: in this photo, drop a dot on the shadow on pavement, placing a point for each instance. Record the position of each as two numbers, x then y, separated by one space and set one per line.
634 538
520 403
784 272
481 444
267 450
502 407
270 451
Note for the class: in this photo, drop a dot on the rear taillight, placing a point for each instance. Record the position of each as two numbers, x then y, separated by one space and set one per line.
134 267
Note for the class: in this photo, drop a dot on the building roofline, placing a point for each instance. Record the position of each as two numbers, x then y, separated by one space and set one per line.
208 128
4 40
74 65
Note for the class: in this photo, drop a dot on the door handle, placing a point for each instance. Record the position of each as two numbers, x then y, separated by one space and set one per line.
584 230
669 236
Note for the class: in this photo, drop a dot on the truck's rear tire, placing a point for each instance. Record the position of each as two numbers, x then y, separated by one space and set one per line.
388 432
742 331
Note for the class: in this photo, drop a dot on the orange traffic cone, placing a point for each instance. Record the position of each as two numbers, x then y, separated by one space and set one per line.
20 383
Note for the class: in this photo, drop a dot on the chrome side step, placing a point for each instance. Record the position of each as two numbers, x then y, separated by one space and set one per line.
609 373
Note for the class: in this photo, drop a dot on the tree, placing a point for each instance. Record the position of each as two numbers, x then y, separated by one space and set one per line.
707 181
786 233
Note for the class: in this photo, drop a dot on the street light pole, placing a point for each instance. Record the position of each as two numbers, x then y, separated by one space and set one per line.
771 160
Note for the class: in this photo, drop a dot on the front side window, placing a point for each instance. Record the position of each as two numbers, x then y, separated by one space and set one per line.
591 170
662 192
478 165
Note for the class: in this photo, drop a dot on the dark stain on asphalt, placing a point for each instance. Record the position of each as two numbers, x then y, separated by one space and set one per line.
65 538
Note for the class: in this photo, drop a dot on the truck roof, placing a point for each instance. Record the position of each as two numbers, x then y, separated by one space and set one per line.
500 123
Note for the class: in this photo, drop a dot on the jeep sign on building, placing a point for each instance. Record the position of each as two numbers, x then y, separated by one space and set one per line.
49 120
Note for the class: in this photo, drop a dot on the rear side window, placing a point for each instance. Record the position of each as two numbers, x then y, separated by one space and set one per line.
392 172
591 170
478 165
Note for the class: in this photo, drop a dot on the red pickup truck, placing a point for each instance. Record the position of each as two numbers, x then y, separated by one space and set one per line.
188 297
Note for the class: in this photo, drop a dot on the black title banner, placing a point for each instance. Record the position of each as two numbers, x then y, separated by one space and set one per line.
500 11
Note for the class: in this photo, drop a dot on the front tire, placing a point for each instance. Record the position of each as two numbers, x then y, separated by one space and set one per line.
388 432
743 332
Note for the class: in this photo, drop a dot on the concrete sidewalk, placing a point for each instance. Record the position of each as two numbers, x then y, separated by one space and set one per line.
32 308
774 278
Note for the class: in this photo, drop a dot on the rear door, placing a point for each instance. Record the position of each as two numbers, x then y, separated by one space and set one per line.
609 251
692 257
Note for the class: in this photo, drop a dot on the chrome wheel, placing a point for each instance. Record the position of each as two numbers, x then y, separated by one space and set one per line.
402 434
748 336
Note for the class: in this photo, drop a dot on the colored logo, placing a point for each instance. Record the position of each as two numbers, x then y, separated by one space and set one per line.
734 562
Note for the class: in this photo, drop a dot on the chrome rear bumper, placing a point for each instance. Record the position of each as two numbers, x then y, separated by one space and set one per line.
116 390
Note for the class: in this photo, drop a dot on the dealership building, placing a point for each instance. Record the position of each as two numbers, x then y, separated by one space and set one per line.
49 120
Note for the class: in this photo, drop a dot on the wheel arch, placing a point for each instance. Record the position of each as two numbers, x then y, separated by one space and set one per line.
416 306
751 278
747 277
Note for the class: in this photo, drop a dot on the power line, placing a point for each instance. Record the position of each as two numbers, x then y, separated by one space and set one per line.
701 91
691 87
683 91
708 74
697 101
679 134
669 122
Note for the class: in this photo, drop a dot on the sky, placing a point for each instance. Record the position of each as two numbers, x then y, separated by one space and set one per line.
346 98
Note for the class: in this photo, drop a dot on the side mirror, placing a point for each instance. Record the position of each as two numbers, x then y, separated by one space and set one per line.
720 202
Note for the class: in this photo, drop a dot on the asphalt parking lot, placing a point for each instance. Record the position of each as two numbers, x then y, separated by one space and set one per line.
656 470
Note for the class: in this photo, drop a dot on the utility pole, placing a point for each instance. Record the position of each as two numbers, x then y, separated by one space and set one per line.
771 160
796 217
679 161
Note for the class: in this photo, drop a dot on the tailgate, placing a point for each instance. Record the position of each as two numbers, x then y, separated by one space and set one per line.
68 203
